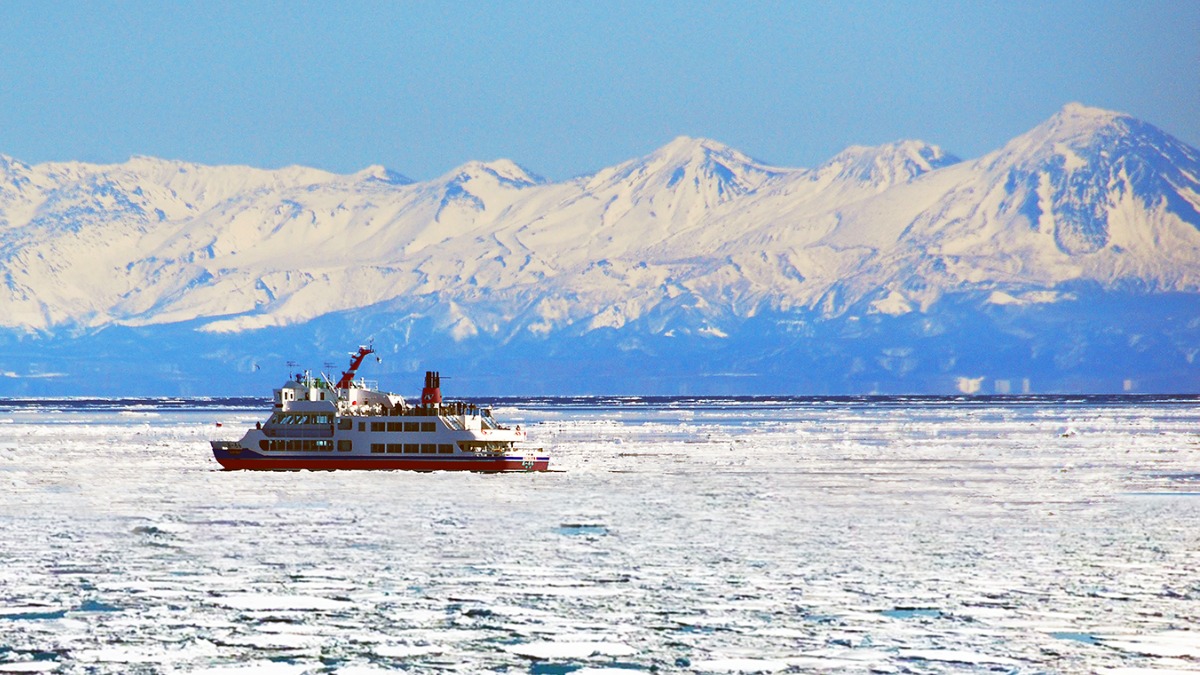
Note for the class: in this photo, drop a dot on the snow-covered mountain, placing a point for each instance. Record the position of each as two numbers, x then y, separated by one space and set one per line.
693 249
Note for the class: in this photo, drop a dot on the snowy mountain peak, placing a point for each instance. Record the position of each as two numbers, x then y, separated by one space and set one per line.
704 152
713 172
502 171
381 174
1080 117
886 165
688 148
1074 127
8 163
1077 174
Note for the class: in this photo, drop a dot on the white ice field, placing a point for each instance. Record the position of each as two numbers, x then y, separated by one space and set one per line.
888 536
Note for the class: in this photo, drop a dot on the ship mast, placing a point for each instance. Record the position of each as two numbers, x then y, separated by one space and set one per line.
356 360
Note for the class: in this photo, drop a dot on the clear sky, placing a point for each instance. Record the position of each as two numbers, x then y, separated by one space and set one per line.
566 88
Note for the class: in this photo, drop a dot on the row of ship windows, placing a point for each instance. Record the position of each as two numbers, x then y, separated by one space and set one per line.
427 427
345 445
302 418
413 448
346 423
304 445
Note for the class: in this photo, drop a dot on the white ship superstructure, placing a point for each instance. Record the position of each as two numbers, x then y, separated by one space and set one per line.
350 424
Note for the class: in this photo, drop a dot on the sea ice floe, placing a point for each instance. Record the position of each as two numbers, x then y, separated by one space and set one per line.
783 559
275 641
1158 668
147 653
263 667
356 669
546 650
956 656
742 665
406 651
28 666
288 603
1179 644
32 612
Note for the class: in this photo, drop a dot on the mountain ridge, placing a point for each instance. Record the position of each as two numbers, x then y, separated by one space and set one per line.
692 241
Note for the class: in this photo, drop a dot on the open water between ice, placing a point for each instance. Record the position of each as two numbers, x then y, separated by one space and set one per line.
680 535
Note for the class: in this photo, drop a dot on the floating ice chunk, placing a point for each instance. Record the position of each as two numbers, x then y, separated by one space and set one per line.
260 668
123 655
743 665
956 656
406 651
287 641
32 612
362 670
441 636
294 603
143 654
570 650
28 666
782 632
1176 643
417 617
571 591
1185 669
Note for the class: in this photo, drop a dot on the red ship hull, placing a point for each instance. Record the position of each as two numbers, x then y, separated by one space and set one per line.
248 460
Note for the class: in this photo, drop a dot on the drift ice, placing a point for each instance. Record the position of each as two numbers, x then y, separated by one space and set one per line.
321 425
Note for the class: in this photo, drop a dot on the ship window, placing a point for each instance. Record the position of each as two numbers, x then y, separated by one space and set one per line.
394 447
394 426
345 424
377 447
412 426
428 426
428 448
412 448
323 419
324 446
486 446
445 448
345 445
378 426
362 426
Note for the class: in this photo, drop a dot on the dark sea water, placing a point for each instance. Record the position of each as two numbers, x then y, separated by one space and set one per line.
897 534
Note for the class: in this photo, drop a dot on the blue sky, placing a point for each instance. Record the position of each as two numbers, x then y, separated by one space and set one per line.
566 88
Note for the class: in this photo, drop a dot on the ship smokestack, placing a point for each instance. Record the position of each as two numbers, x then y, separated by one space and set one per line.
432 393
